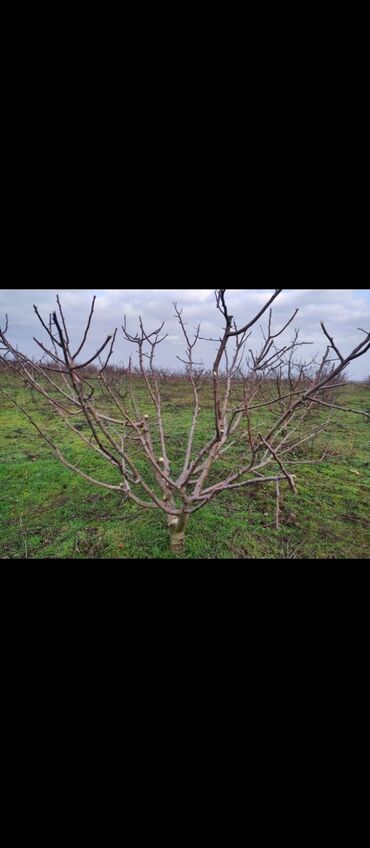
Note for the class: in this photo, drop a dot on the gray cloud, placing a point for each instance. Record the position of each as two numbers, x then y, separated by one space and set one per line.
342 310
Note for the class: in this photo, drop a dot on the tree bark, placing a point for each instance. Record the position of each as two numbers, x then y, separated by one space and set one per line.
177 528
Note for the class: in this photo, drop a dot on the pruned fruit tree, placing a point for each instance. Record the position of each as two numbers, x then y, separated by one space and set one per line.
262 397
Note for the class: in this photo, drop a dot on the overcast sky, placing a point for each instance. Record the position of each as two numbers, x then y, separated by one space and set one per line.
343 311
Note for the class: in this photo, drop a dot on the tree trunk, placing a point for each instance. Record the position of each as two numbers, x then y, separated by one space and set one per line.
177 528
177 542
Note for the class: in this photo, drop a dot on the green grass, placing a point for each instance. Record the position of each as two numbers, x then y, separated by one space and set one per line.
47 512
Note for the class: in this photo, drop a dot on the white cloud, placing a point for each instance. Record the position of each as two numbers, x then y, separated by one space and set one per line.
342 310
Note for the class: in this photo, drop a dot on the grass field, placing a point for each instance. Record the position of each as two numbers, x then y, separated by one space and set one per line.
47 512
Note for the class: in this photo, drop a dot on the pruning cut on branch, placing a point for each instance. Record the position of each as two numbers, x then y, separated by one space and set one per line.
264 406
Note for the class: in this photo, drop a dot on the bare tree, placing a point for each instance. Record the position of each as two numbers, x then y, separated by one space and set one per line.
264 402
